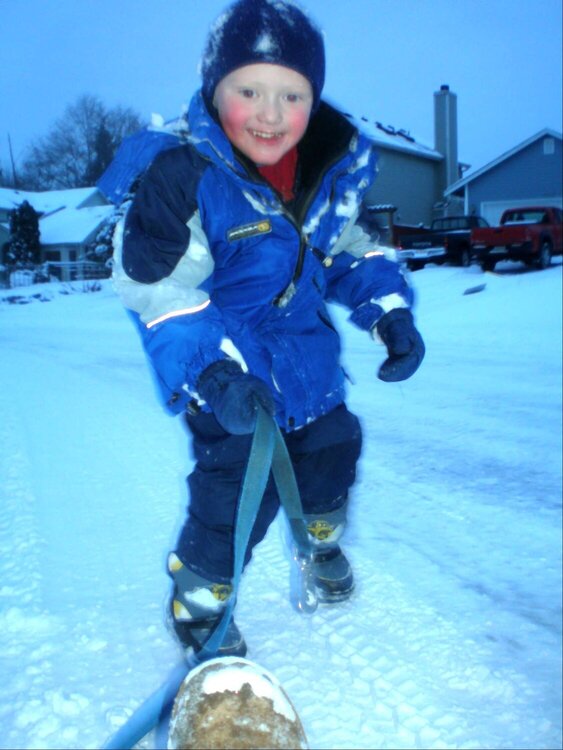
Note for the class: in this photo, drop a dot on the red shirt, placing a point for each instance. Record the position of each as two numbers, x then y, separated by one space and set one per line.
282 175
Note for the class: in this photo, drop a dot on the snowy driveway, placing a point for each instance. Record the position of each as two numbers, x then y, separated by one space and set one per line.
453 638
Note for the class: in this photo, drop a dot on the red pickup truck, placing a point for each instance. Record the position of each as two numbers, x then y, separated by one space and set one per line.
532 235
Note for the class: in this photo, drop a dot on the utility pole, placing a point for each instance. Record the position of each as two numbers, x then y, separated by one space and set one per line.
13 162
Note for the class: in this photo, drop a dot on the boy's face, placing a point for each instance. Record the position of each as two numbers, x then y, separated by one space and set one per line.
264 110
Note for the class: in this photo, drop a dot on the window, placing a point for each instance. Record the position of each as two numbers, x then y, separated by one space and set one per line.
548 146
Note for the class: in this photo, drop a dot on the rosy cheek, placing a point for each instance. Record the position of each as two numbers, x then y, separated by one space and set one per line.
299 121
233 116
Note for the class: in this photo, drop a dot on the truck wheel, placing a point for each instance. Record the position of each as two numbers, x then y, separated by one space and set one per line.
414 265
465 258
488 264
544 258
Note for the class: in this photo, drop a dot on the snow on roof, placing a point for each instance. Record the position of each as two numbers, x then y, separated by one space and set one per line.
47 201
391 137
399 141
72 225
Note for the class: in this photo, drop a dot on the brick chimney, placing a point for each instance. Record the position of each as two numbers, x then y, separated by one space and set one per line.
445 134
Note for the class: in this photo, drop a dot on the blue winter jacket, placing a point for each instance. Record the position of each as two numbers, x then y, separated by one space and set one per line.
213 264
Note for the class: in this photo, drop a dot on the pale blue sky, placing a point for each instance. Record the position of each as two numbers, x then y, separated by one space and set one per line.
385 60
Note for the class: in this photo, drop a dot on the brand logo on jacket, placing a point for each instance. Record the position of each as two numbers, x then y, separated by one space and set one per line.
249 230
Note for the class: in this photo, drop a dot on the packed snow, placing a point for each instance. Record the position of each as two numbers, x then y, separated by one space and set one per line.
453 636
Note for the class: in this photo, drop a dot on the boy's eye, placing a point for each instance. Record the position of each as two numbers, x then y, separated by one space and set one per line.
247 93
293 98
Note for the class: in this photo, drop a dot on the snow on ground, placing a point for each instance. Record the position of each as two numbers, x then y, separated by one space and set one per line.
453 637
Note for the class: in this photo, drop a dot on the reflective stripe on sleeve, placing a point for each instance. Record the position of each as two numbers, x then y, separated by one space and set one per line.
177 313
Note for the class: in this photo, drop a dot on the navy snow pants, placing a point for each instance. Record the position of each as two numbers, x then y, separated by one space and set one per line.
324 456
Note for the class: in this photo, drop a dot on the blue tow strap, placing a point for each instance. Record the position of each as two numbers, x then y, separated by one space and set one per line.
268 452
253 488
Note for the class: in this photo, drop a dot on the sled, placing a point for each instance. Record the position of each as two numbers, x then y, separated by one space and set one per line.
232 702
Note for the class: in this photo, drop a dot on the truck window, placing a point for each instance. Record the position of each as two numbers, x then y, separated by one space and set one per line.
524 217
535 217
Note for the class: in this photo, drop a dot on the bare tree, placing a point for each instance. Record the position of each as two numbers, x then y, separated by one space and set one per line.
79 146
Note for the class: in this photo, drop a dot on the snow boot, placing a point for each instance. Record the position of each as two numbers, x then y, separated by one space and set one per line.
196 609
334 579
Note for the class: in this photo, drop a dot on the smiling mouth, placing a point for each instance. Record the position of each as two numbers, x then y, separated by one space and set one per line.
266 136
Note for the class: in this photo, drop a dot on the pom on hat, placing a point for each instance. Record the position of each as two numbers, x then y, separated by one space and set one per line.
263 31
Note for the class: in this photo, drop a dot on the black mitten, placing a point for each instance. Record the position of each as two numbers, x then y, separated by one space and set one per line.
404 345
234 396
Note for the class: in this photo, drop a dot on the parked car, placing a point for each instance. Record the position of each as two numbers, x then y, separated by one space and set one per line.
447 240
532 235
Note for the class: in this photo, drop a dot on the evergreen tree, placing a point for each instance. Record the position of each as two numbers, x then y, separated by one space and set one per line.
103 153
23 247
101 249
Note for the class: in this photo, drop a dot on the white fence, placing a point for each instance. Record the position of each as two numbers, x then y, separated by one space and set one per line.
79 270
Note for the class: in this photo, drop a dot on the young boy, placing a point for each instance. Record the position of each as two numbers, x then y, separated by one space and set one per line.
228 253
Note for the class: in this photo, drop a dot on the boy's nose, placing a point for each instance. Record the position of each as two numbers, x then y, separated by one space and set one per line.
270 112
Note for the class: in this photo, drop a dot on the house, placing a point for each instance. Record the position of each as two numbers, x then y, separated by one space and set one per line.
528 174
66 234
69 221
413 176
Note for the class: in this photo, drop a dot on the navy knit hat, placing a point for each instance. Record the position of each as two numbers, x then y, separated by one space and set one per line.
263 31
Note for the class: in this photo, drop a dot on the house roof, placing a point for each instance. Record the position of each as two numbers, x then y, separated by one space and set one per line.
48 201
73 225
503 157
388 136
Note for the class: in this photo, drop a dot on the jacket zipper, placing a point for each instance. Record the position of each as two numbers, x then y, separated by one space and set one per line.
287 294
